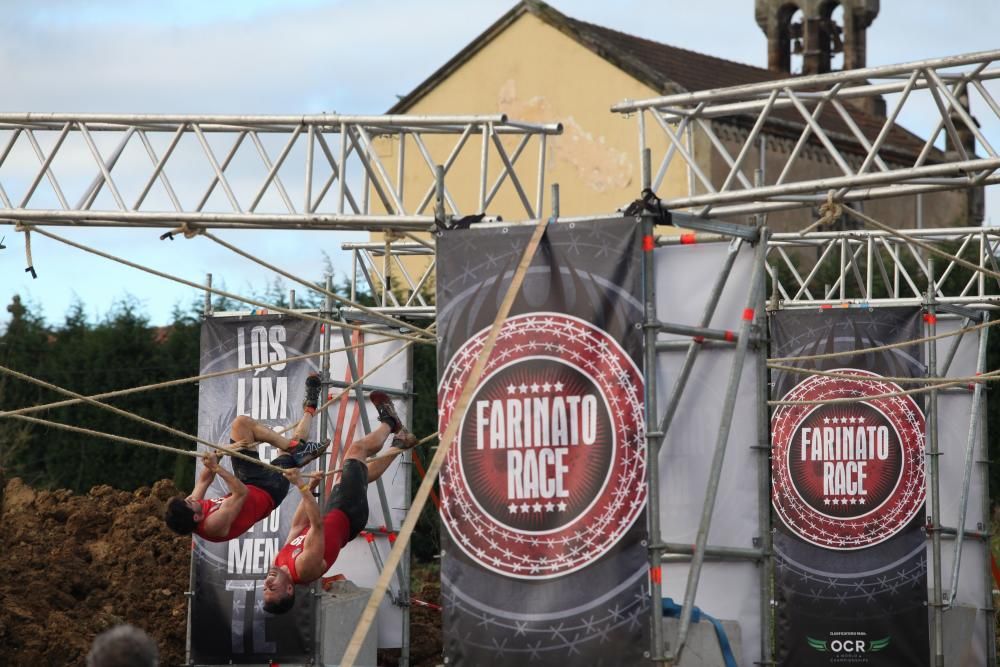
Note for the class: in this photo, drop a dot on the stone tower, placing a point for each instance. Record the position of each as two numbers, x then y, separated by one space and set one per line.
814 33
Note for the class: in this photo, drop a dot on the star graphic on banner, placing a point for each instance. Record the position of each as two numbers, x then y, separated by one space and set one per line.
523 388
549 507
562 507
537 507
559 386
512 508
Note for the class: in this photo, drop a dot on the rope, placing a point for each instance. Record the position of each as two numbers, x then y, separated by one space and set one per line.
392 321
921 244
27 248
233 452
829 211
133 416
856 399
108 436
355 383
420 499
230 295
193 378
392 451
889 346
985 377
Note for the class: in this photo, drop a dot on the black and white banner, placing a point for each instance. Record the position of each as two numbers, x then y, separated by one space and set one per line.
543 493
848 490
228 624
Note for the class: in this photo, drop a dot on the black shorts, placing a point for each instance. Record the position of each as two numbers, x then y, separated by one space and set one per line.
351 495
251 474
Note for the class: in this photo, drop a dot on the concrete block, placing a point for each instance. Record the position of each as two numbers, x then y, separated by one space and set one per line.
701 648
340 610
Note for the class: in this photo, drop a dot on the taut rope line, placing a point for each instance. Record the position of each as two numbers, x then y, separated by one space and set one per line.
229 295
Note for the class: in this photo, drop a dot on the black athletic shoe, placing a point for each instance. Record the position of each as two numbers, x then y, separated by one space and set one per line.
313 386
404 440
304 452
386 412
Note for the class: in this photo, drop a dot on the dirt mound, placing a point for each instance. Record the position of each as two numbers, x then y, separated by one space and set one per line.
73 566
76 565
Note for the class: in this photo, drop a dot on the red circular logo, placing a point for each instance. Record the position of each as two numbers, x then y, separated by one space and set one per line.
548 469
847 475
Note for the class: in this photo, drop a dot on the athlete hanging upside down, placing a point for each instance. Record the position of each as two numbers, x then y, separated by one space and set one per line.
254 491
314 540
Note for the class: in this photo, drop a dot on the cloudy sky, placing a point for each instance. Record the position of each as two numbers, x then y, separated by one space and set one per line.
311 56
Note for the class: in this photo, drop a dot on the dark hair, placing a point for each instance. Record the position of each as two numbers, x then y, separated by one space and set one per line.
282 605
179 517
123 646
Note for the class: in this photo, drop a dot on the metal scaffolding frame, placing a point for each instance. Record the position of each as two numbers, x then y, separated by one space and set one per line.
874 268
823 112
854 261
261 172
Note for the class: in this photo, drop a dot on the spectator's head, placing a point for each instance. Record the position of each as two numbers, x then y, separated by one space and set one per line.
123 646
183 514
279 591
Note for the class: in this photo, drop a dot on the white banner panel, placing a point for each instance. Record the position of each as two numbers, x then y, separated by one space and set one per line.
356 560
685 276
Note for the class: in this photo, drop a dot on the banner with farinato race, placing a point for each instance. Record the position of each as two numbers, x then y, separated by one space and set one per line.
543 493
848 489
228 624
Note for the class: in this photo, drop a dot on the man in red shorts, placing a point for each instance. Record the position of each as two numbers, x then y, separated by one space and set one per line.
254 491
315 540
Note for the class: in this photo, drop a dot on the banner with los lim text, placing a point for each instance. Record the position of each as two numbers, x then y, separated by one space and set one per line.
228 623
848 489
543 493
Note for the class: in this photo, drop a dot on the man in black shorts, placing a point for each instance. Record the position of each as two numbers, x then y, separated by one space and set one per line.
254 491
314 540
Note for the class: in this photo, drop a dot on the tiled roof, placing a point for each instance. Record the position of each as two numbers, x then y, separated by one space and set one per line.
670 69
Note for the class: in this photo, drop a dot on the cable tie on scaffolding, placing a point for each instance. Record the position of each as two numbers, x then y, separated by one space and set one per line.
369 537
689 239
729 335
656 575
648 243
930 318
698 339
748 314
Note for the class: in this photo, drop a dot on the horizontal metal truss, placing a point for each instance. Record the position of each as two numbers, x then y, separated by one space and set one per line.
371 263
302 172
823 113
878 268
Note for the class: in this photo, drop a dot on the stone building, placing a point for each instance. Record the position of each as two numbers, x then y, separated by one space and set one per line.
537 64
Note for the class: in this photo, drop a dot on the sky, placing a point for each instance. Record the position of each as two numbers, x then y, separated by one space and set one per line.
312 56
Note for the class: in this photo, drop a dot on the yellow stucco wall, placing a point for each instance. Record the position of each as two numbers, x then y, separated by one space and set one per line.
534 73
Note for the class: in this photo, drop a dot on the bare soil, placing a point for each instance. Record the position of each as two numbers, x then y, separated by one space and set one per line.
72 566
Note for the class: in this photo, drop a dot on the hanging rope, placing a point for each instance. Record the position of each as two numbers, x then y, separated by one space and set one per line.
829 211
21 227
889 346
230 295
